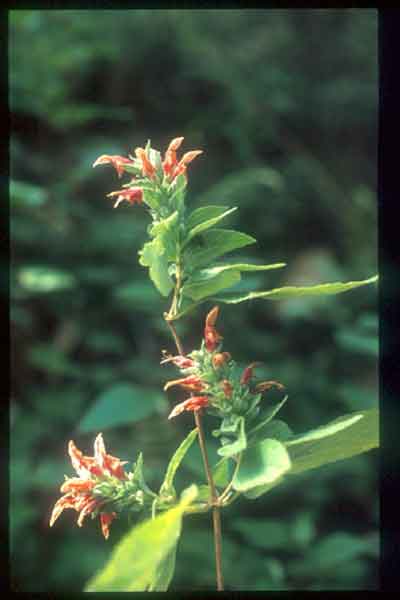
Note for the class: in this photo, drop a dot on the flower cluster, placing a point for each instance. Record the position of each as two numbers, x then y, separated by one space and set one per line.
79 491
224 388
150 170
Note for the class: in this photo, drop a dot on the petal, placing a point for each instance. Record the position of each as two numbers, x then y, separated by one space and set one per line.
174 144
105 520
76 485
67 501
99 450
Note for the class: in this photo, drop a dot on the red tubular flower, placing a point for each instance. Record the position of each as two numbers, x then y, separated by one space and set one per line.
194 403
171 167
192 382
266 385
211 335
182 362
248 373
78 490
148 169
118 162
132 195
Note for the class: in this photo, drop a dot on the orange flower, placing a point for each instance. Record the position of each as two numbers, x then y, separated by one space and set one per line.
194 403
192 382
171 167
78 490
132 195
211 335
266 385
182 362
118 162
148 169
248 373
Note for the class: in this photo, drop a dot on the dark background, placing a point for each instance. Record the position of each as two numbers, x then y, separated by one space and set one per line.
284 105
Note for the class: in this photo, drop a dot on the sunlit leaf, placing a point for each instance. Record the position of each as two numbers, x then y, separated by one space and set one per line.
204 289
342 438
296 292
139 562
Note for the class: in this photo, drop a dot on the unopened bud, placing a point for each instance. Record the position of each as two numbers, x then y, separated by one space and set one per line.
220 359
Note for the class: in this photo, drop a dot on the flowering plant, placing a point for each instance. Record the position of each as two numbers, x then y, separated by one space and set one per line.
257 451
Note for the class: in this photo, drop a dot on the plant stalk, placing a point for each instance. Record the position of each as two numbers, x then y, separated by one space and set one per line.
216 515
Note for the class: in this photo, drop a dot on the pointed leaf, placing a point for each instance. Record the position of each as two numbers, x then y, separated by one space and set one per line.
295 292
345 437
268 415
198 291
207 224
164 573
176 460
261 465
221 472
135 560
212 244
204 213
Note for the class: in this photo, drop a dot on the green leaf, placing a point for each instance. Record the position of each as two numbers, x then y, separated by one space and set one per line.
268 415
135 561
295 292
238 445
176 460
43 279
203 214
153 256
199 290
279 430
212 244
221 472
261 465
342 438
166 232
331 552
165 572
207 224
205 273
121 404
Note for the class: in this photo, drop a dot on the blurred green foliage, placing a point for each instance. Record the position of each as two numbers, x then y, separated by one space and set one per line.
284 105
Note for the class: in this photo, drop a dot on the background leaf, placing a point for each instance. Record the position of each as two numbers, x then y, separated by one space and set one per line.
122 404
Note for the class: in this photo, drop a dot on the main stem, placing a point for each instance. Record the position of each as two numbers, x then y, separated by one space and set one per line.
216 514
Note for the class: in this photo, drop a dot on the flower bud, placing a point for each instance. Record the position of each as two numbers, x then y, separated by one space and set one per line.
220 359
